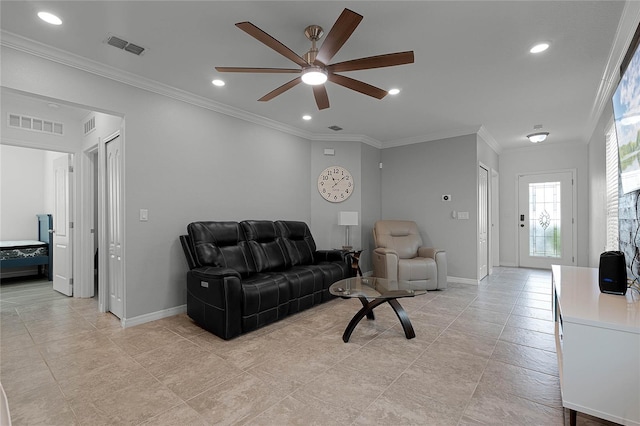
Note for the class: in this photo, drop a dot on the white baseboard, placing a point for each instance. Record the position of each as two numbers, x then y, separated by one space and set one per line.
509 264
462 280
141 319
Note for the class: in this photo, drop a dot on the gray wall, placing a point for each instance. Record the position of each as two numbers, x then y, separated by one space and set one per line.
537 159
371 179
182 163
413 179
324 215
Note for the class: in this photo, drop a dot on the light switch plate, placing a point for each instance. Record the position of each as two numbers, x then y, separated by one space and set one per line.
463 215
144 215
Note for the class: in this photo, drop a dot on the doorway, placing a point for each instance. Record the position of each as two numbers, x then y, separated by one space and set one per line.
546 219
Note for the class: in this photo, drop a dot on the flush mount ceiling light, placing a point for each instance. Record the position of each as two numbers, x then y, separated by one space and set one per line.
306 117
540 47
314 76
218 83
394 91
49 18
538 137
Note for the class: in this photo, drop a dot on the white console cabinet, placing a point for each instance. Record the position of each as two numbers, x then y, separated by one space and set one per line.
598 346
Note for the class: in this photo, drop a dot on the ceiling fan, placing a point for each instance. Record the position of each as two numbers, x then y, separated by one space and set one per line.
314 65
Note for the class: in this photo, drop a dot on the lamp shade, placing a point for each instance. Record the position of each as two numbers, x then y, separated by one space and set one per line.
348 218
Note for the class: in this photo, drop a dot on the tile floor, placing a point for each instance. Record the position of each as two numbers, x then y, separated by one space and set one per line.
483 355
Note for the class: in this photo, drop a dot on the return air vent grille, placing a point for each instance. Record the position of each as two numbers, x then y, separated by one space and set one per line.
121 43
35 124
335 128
89 125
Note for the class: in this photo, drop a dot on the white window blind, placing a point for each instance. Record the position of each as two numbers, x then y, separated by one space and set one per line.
611 170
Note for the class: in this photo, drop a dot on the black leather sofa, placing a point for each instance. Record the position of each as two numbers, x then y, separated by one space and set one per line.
244 275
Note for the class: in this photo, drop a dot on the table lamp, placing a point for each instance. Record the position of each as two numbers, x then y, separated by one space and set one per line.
347 219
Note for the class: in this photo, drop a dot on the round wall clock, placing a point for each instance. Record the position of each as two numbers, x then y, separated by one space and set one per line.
335 184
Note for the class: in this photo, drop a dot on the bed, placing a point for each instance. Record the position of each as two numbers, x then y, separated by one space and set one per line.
17 254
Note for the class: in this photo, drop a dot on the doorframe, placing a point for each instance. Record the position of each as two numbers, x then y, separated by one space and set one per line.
494 247
488 214
574 207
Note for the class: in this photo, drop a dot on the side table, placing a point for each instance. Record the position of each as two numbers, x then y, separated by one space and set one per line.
354 257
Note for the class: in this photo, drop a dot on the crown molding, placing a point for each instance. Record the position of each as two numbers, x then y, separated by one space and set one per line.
41 50
433 136
489 139
611 74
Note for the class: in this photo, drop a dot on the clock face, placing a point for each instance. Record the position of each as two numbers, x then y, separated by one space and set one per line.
335 184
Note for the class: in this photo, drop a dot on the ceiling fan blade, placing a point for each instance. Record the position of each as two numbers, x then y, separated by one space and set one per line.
258 70
320 93
358 86
338 35
271 42
379 61
280 90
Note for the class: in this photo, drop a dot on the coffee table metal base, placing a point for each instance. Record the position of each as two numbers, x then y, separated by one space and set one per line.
367 310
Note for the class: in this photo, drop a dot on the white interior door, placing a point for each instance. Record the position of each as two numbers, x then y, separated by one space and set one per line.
62 239
114 210
483 222
546 222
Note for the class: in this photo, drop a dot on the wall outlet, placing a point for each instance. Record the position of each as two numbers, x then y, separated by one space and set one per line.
446 197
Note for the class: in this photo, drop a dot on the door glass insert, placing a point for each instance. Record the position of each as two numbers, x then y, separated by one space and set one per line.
544 219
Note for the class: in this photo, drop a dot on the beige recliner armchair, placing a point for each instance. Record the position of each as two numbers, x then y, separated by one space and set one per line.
399 255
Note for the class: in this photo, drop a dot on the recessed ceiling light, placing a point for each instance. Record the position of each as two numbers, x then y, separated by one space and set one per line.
218 83
50 18
306 117
394 91
540 47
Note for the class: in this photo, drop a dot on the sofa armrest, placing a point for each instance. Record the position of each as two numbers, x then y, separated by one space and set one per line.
385 263
440 256
428 252
214 300
329 255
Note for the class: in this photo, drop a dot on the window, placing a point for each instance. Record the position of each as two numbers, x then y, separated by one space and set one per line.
611 171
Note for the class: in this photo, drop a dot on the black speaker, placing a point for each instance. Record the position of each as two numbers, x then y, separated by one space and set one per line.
613 273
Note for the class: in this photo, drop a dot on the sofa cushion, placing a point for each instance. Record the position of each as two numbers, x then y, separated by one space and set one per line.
306 286
266 245
221 244
298 241
265 299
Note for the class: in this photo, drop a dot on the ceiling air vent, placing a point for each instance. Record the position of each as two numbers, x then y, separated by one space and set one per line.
35 124
121 43
335 128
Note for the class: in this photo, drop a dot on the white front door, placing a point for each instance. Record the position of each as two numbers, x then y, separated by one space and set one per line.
546 220
115 232
483 222
62 239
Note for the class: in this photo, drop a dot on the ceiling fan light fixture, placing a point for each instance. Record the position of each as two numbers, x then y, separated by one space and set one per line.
394 91
314 76
537 137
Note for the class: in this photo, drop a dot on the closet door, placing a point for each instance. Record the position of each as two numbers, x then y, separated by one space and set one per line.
115 231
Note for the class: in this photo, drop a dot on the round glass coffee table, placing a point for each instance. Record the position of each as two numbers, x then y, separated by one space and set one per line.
373 292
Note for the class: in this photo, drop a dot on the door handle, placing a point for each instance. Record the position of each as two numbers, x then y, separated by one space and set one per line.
51 231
